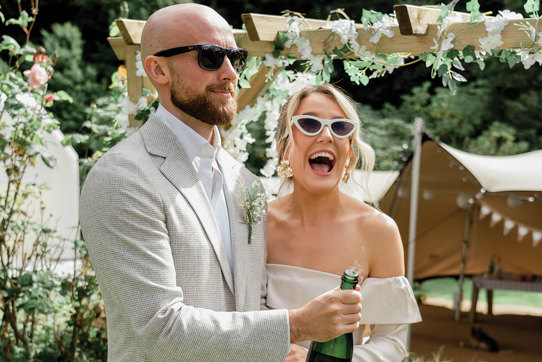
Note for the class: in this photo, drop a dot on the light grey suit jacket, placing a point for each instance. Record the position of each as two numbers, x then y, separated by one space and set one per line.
157 252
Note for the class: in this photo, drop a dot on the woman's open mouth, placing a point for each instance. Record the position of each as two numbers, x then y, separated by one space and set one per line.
322 162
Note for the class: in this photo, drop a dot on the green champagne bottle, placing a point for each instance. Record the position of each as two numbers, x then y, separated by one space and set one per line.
339 349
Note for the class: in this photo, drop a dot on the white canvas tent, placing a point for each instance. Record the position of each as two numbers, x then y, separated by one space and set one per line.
504 195
366 187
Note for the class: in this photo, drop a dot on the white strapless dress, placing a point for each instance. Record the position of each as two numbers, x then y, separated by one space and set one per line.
388 305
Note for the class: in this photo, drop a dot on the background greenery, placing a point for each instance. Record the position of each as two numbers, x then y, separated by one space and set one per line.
444 288
497 112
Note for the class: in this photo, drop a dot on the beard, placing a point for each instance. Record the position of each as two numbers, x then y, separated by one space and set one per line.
202 107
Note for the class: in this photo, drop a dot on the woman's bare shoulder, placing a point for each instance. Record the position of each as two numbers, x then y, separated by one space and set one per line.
381 238
276 207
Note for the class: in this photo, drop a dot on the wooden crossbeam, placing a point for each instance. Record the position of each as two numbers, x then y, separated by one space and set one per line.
265 27
130 30
262 30
324 40
414 20
119 46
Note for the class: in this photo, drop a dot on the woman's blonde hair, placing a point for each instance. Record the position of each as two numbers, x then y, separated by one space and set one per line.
360 150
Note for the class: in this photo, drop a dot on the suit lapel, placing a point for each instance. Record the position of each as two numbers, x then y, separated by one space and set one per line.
178 169
239 232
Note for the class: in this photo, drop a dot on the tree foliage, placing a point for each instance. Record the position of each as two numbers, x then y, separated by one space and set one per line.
510 97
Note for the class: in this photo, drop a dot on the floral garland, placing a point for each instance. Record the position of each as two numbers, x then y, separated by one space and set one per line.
362 65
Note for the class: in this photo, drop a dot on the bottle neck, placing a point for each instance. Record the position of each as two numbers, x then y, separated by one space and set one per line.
349 280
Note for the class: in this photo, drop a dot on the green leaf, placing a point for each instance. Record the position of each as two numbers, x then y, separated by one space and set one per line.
283 37
444 11
328 66
243 83
23 20
48 160
474 9
392 60
341 52
318 79
25 279
114 30
481 64
63 96
9 43
468 54
532 6
451 54
360 63
326 76
458 77
364 79
430 59
443 69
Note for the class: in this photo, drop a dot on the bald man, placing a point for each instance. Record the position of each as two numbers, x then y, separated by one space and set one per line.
162 218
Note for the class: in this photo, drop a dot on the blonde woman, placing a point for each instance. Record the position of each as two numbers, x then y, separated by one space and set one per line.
316 232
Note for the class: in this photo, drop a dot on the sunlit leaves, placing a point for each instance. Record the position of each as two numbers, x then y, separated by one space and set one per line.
474 9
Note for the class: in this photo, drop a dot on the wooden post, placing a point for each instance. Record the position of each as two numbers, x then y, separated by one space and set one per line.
468 224
135 83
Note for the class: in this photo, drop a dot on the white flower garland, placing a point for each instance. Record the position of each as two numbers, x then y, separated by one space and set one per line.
267 107
494 27
361 65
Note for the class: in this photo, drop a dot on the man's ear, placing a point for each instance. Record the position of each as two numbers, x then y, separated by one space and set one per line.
157 69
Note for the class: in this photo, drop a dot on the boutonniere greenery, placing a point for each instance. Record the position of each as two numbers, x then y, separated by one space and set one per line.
253 203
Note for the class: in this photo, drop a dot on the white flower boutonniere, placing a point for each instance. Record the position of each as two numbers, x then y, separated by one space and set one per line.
253 204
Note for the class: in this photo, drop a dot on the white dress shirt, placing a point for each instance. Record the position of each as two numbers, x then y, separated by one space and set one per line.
203 156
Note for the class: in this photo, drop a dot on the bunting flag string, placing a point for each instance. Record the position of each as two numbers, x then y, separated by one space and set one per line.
508 224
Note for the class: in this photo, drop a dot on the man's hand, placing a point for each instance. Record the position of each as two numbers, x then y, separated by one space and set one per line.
327 316
296 354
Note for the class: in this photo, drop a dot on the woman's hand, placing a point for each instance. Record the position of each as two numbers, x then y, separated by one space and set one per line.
296 354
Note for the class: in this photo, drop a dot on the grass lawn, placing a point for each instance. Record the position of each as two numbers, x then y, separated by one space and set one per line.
445 287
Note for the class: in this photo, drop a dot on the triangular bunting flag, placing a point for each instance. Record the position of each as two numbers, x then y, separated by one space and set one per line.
484 211
522 231
537 236
508 225
495 218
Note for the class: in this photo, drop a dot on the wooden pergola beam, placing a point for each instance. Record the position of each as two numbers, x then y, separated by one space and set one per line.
119 46
414 20
262 31
324 40
130 30
265 27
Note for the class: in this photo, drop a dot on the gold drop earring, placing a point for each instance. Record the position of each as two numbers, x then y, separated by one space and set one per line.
346 175
284 170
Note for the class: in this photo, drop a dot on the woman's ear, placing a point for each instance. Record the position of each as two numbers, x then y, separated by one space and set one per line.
157 69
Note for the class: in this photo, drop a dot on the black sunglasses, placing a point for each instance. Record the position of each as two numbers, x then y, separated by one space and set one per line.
211 57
